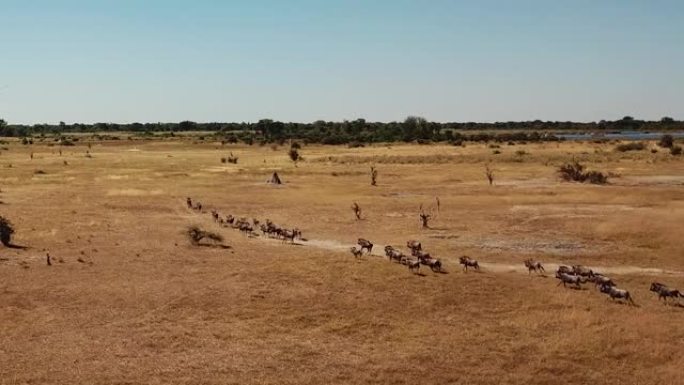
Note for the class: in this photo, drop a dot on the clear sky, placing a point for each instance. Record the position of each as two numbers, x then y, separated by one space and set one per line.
304 60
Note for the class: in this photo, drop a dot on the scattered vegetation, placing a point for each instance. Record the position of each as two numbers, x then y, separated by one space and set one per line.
574 172
631 146
666 141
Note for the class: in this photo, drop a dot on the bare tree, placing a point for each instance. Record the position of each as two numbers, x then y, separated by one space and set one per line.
424 218
357 211
374 176
490 174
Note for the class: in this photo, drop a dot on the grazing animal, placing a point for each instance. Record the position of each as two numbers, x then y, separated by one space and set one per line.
365 245
614 292
569 279
468 262
535 266
356 252
665 292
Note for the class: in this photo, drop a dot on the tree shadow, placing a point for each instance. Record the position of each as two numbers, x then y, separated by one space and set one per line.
214 246
13 246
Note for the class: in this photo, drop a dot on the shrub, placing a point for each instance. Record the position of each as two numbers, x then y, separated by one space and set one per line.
295 145
496 152
632 146
667 141
676 150
196 235
6 231
574 172
521 152
356 144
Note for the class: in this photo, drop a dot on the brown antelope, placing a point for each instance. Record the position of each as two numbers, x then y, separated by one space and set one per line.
582 270
566 278
414 245
188 201
356 252
535 266
614 292
468 262
665 292
413 265
365 245
394 254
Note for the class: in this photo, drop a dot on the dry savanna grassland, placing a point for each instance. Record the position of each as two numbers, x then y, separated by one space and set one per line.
129 300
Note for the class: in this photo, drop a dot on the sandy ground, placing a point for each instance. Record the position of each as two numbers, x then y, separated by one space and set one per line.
128 300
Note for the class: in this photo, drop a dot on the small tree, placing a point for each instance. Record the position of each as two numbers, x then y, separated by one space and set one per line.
6 231
357 211
294 155
667 141
374 176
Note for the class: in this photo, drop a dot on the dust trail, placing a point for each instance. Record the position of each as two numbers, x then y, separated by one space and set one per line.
496 267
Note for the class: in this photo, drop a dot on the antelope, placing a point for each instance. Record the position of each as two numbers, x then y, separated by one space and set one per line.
414 245
356 252
583 271
535 266
365 245
394 254
413 265
600 280
188 201
467 261
291 234
215 215
434 264
565 270
664 292
614 292
568 278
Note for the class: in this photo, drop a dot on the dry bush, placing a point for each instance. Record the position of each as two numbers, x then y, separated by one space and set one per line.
632 146
676 150
574 172
196 235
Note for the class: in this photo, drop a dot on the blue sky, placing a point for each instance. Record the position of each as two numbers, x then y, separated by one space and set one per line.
304 60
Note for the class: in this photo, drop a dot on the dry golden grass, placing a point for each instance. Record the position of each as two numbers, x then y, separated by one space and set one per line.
152 309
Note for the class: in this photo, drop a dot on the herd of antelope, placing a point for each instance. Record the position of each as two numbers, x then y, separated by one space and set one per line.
574 276
247 226
577 275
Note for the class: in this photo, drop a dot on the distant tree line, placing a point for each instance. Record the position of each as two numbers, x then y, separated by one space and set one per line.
349 132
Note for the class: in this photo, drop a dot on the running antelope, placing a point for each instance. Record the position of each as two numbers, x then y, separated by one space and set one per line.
365 245
569 279
614 292
665 292
468 262
535 266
